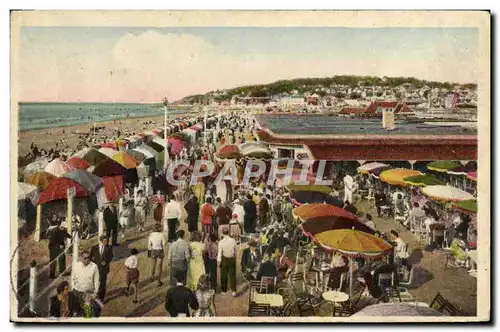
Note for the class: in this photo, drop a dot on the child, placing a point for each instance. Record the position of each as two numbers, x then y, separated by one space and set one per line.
235 228
131 264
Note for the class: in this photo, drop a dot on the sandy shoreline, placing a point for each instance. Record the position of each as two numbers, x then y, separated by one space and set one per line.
48 137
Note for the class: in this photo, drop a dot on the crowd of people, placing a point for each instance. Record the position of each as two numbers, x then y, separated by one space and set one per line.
222 220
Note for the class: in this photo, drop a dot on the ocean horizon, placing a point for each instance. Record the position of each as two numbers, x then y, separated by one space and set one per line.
43 115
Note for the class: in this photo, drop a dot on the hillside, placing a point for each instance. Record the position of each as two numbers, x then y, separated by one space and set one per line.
334 86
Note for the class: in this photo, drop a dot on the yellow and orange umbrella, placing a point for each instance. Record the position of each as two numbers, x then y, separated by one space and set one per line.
397 176
125 159
41 179
353 243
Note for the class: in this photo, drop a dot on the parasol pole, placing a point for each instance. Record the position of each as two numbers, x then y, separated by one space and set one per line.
37 236
351 273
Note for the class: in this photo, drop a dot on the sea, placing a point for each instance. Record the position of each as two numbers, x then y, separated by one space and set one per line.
50 115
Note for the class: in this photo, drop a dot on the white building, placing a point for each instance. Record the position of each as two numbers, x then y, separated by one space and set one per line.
292 100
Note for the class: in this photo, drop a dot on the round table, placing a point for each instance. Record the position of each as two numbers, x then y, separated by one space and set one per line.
335 297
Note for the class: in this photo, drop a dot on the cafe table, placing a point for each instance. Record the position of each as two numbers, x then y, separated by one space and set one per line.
335 297
275 301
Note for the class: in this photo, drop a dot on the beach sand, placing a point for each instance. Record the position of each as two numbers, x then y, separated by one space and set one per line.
48 137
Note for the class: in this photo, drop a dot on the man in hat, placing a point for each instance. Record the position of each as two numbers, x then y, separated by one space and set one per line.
250 260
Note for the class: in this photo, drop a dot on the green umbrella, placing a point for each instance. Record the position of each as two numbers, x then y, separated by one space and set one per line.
443 165
423 180
468 206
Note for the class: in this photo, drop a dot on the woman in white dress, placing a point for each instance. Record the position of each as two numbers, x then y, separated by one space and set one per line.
196 267
221 191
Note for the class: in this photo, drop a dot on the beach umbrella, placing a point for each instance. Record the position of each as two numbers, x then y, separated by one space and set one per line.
26 190
57 167
309 187
446 193
108 152
176 145
255 151
353 243
230 151
78 163
422 180
461 170
396 176
469 206
111 190
443 166
40 179
397 309
109 167
309 197
318 217
147 150
137 155
92 156
366 168
58 188
376 171
88 180
472 176
34 167
125 159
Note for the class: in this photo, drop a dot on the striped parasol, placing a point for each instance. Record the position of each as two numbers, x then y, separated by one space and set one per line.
396 176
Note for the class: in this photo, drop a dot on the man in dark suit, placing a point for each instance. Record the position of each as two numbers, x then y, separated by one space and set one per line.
102 255
250 261
110 216
57 235
250 218
180 298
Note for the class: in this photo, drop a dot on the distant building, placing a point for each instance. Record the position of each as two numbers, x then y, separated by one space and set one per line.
292 101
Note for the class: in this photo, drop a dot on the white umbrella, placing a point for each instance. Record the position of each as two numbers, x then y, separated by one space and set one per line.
446 193
370 166
57 167
25 190
398 309
34 167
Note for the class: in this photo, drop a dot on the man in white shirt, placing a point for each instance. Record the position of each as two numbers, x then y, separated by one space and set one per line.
156 250
172 216
226 258
178 257
85 278
400 252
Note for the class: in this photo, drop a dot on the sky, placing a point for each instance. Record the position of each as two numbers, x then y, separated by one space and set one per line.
119 64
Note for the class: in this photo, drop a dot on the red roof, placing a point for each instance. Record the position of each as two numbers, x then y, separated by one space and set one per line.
373 107
402 108
372 147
